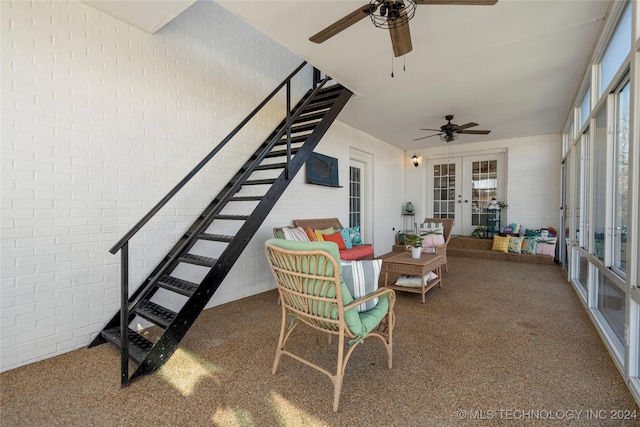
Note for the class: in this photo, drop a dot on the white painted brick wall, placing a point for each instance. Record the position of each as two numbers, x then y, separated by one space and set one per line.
99 121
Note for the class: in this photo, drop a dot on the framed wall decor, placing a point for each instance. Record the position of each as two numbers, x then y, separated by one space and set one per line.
322 170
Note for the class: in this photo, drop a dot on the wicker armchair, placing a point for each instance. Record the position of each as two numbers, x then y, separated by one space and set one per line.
312 292
447 223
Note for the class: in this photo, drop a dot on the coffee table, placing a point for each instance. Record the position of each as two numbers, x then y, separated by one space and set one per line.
405 264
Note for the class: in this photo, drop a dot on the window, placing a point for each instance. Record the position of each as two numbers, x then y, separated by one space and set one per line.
583 273
585 107
600 183
621 180
611 305
617 50
583 191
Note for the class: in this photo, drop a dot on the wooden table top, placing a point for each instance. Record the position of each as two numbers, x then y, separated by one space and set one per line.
405 258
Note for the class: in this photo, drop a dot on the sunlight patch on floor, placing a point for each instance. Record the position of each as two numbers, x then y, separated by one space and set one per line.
289 415
232 418
185 371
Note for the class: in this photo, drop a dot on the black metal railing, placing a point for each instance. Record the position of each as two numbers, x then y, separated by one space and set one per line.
123 244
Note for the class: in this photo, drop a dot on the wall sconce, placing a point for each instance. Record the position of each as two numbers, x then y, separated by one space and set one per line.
414 159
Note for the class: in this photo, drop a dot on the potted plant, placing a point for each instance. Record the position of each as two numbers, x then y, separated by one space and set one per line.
479 232
414 241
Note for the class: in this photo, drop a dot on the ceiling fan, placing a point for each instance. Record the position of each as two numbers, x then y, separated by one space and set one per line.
391 14
450 131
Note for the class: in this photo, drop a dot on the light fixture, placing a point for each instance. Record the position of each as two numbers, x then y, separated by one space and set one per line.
392 13
449 136
414 159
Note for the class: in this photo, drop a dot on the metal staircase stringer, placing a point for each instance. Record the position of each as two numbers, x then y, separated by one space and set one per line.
168 342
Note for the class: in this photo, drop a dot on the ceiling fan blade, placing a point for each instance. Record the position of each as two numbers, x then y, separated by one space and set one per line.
434 130
400 35
343 23
460 2
476 132
468 125
425 137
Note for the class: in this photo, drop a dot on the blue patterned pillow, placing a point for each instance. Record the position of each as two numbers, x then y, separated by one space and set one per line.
354 235
361 278
529 245
344 232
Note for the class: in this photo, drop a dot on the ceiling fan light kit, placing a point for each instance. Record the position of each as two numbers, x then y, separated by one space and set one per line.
450 131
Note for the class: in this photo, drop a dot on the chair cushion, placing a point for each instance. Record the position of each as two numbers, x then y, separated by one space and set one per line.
356 252
360 324
361 278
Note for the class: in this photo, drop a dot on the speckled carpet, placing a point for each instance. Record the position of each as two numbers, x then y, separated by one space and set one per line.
499 344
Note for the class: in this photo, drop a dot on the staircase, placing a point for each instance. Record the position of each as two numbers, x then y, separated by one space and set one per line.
280 157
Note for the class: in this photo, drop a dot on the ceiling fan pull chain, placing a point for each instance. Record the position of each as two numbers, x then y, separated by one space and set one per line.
391 64
404 62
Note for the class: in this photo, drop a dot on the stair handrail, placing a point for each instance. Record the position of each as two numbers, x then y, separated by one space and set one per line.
123 244
234 188
200 165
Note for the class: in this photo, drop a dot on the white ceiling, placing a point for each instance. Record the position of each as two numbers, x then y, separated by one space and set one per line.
514 67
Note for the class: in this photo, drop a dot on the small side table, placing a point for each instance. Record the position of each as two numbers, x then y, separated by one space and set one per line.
405 264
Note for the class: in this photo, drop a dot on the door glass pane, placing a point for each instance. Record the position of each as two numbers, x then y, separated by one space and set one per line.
355 197
611 300
621 176
599 183
484 185
444 190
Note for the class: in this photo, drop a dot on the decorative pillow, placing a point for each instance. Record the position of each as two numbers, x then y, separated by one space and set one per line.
336 238
354 235
529 245
320 233
361 278
515 228
431 236
500 244
533 233
515 244
296 234
546 246
311 234
344 232
415 281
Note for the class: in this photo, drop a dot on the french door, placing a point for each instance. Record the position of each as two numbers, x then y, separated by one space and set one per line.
461 187
360 193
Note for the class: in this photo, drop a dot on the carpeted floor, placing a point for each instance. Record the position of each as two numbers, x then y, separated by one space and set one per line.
500 344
